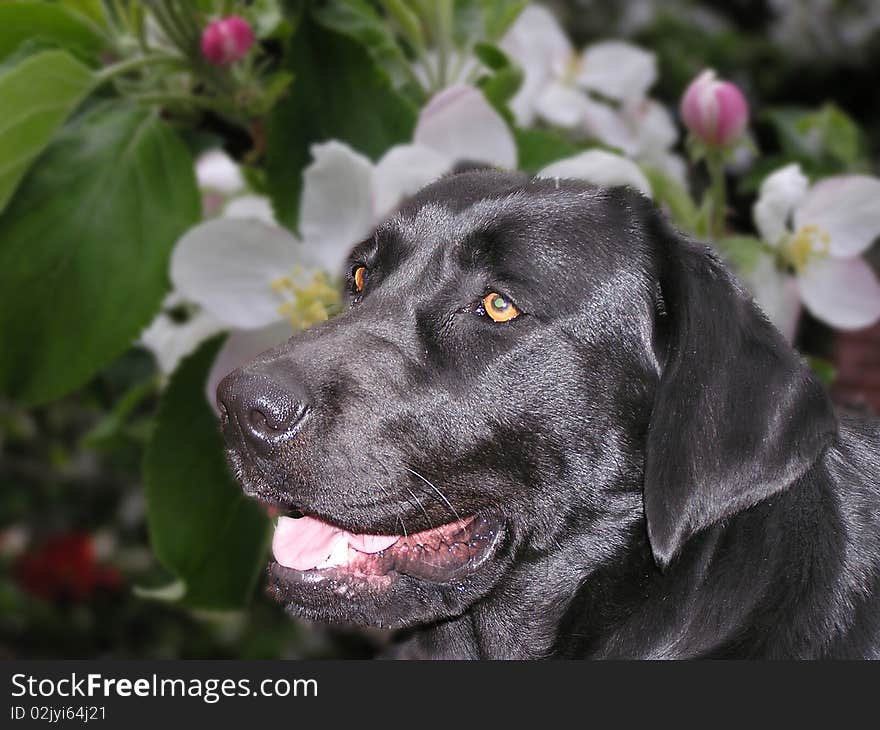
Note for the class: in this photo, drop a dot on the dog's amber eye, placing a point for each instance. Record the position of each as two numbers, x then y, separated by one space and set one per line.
360 278
499 308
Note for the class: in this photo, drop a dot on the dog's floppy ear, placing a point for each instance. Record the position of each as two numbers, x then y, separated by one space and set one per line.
738 416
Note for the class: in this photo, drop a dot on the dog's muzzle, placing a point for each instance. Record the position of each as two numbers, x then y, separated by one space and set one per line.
258 413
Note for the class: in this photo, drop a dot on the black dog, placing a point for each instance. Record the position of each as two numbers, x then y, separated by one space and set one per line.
549 426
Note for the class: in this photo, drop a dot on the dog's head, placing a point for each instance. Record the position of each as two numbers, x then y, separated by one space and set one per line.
527 367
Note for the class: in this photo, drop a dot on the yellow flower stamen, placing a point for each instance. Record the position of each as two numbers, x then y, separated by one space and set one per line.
281 284
306 304
807 242
571 69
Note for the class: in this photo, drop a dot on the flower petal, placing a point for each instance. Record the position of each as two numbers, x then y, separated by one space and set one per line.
848 208
336 211
600 168
780 194
227 266
714 110
170 341
216 171
742 154
653 126
844 293
460 124
617 70
402 171
776 293
609 126
241 347
563 106
253 207
539 45
670 165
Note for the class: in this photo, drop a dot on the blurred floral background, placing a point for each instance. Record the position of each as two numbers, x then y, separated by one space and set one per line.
180 183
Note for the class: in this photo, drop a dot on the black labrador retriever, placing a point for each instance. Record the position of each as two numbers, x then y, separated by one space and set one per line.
550 426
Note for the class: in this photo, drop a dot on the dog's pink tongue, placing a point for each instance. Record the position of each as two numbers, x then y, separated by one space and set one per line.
306 543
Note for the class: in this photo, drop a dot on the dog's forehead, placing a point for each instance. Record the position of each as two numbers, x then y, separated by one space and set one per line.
546 242
528 218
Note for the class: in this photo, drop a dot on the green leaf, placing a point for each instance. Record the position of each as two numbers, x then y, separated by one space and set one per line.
293 11
84 248
38 94
840 135
498 16
742 252
28 48
784 122
677 200
824 369
337 93
492 57
483 20
52 24
359 21
499 88
203 528
826 140
407 20
504 80
267 19
276 86
92 9
537 148
112 423
823 142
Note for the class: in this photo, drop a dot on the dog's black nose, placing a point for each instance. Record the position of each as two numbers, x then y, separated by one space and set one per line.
256 408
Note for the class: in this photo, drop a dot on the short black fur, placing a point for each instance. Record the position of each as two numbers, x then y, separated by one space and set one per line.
670 477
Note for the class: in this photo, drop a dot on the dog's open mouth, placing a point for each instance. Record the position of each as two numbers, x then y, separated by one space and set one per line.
311 547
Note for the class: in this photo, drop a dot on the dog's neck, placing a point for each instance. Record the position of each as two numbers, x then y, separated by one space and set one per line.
756 585
772 559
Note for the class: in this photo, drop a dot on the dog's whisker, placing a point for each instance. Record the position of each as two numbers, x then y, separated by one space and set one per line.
415 501
386 491
441 495
385 509
402 523
421 506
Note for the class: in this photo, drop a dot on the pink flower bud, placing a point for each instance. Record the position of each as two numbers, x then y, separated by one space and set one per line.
715 111
227 40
